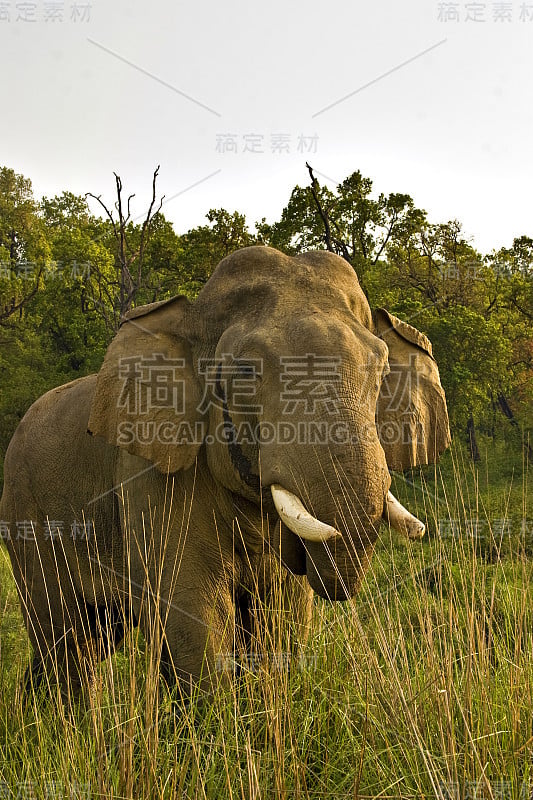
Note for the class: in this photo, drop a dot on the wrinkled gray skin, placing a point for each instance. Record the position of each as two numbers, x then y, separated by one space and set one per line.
186 534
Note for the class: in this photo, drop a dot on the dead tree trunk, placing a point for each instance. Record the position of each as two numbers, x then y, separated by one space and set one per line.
130 277
323 214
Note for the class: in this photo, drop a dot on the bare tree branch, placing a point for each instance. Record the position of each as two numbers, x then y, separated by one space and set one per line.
109 215
129 261
16 305
386 238
130 198
521 309
323 215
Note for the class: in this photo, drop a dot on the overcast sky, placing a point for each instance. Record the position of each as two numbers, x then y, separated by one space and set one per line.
231 98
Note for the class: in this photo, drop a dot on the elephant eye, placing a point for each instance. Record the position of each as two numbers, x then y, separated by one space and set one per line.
247 369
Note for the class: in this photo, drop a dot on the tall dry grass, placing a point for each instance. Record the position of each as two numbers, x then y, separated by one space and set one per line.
421 687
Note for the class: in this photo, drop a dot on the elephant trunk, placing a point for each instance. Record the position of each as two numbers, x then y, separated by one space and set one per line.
336 565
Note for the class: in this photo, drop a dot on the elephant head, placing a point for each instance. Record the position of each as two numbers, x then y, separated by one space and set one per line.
298 398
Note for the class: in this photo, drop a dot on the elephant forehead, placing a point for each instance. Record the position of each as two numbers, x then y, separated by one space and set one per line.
266 261
331 270
341 340
257 282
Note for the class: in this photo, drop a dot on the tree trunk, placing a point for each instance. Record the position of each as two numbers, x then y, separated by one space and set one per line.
504 408
471 439
507 412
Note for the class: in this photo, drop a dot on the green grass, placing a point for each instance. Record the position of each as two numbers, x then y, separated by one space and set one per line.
420 688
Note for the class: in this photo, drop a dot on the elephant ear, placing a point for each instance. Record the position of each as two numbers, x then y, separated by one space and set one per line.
147 399
411 414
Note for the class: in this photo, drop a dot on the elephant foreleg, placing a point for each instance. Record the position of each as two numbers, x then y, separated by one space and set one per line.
193 639
276 626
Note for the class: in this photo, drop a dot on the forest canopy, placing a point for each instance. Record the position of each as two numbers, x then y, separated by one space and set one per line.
70 267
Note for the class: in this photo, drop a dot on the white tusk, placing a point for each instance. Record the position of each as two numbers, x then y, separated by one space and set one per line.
401 520
297 519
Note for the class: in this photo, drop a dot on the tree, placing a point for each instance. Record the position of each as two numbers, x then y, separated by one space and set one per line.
472 356
202 248
349 222
439 264
119 295
23 247
65 313
510 279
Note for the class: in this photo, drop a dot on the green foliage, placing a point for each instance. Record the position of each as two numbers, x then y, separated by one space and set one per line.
300 227
511 301
26 372
68 314
361 226
60 287
205 246
21 230
470 351
23 244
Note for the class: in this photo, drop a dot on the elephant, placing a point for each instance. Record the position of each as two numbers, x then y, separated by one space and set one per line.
225 442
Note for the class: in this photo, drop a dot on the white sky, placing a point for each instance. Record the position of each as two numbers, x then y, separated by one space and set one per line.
452 127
